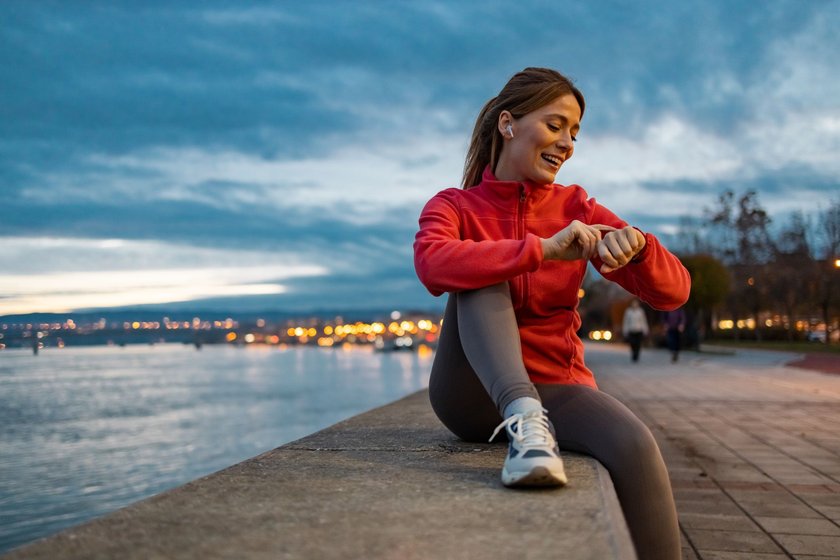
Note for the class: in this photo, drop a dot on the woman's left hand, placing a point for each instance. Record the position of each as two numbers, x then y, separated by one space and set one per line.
618 247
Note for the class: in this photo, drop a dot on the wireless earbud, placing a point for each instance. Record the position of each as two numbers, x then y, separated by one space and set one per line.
510 130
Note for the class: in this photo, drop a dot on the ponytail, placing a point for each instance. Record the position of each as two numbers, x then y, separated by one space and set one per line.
484 145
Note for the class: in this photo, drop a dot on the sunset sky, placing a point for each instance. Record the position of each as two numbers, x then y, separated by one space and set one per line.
251 156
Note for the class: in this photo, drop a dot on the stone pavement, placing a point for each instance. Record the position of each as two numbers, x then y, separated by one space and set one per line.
389 484
752 446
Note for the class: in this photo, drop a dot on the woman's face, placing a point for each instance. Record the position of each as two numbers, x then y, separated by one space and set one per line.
542 141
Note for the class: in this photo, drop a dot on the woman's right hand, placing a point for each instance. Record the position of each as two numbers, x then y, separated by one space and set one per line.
574 242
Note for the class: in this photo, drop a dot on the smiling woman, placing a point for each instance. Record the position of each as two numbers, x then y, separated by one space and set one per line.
511 249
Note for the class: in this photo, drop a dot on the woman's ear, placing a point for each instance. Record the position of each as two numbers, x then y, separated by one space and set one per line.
505 124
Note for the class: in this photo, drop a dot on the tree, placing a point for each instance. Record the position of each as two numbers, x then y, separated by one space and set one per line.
793 277
739 231
710 284
828 231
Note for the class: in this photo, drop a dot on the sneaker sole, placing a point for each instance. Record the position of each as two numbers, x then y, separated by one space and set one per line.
538 476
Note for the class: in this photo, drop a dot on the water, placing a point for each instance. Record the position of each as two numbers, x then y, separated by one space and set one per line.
84 431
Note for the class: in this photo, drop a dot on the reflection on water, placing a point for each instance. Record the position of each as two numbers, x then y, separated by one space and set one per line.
84 431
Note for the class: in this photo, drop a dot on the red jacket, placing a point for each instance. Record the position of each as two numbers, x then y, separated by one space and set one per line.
491 233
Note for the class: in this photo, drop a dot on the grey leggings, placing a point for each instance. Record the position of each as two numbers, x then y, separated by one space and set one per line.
478 369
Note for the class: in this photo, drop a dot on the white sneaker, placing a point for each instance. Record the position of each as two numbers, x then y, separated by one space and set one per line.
533 458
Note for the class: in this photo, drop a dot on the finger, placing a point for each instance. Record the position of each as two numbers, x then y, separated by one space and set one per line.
588 238
592 244
583 240
635 238
621 247
625 244
602 227
618 248
606 254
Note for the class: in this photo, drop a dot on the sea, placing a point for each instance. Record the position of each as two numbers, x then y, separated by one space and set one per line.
87 430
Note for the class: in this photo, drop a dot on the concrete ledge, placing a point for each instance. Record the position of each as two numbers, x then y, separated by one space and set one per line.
390 483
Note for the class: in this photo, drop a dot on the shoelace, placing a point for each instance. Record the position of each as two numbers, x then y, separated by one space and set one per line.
531 430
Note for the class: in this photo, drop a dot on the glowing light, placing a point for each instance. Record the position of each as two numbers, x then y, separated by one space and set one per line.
768 323
230 337
249 338
581 293
299 331
726 324
328 330
600 335
260 323
135 325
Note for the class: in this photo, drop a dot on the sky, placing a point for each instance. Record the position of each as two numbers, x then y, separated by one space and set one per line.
276 155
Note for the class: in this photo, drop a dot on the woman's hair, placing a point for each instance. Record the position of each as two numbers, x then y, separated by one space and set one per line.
526 91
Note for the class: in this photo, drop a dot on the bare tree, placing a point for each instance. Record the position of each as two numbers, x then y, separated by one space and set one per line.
828 234
793 274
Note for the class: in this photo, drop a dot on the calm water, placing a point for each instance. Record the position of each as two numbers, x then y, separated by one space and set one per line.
84 431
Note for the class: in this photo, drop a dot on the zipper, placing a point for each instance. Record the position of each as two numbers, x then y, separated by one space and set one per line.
520 226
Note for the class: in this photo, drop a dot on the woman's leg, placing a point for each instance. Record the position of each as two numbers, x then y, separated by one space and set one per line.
479 375
594 423
490 339
457 396
478 368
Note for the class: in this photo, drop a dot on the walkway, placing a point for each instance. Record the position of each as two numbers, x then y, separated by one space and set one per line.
753 448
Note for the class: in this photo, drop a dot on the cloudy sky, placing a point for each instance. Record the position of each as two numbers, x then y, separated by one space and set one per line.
251 156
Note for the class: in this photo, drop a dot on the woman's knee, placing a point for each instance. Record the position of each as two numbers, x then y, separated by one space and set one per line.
632 446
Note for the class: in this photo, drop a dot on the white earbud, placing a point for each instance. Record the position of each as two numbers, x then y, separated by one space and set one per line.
510 130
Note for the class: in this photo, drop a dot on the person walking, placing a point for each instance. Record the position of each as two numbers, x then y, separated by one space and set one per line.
674 327
634 327
511 249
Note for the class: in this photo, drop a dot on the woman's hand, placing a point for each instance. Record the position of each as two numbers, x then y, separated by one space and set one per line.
619 246
574 242
615 247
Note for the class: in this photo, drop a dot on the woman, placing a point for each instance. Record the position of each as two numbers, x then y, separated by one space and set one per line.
634 327
511 249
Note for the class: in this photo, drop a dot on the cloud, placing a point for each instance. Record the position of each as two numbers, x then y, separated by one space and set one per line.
196 132
114 272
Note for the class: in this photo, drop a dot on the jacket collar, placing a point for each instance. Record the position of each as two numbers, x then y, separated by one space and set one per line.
504 191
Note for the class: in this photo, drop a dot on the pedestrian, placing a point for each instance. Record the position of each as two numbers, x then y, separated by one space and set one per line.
511 249
674 327
634 327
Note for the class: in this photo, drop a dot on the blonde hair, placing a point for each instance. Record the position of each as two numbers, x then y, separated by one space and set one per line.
526 91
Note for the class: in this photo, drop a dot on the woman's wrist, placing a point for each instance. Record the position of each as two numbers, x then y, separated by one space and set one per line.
548 249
